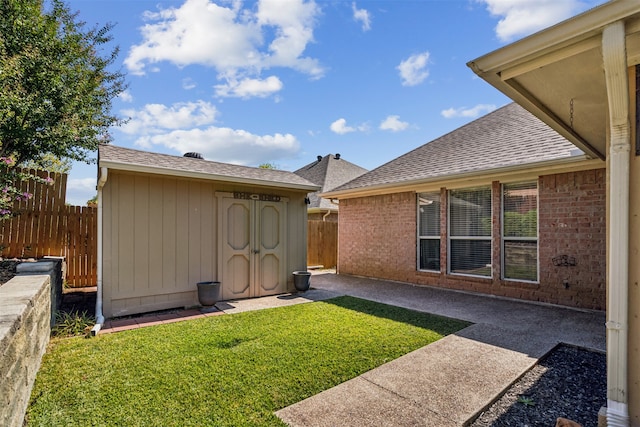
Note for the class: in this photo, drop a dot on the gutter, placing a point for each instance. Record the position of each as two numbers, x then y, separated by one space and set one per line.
158 170
574 163
615 69
99 316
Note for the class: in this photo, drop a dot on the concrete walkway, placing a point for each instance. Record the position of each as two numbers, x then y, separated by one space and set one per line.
448 382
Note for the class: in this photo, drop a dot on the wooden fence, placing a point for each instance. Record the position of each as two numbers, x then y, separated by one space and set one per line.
322 243
44 226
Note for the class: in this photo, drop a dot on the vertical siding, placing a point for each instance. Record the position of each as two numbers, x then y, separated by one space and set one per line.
169 236
296 235
161 238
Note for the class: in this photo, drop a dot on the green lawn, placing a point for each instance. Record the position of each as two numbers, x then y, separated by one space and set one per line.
230 370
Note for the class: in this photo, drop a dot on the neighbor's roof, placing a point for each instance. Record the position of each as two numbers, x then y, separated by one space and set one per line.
509 137
120 158
328 172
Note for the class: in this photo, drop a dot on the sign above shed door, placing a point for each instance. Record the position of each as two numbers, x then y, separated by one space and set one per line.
252 240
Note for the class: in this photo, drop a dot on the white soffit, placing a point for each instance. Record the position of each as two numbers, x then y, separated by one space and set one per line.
558 73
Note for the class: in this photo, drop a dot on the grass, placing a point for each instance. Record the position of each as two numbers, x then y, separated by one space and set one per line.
71 324
231 370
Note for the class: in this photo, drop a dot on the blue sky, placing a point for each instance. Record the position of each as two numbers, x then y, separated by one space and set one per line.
283 81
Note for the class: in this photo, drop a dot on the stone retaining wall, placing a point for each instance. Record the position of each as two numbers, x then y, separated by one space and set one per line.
25 328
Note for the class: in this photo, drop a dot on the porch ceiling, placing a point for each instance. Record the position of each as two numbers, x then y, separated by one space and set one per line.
558 74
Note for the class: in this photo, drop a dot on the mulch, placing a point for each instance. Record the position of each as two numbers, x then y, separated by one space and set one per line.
569 382
8 269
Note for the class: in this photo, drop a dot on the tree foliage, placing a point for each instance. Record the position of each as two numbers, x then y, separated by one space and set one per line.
268 165
56 87
50 163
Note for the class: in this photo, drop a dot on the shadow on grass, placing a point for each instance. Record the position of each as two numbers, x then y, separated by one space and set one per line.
439 324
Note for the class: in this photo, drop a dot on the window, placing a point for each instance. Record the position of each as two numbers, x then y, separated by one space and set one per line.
520 231
470 231
429 231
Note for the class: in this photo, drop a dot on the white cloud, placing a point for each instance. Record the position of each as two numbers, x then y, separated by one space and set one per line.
340 127
362 16
227 145
80 190
188 83
84 184
413 70
523 17
237 42
465 112
248 88
155 118
393 123
126 96
293 22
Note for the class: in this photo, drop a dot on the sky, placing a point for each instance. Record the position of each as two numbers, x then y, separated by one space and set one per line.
283 81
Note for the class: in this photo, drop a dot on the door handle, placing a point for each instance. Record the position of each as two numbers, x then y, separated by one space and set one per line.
255 251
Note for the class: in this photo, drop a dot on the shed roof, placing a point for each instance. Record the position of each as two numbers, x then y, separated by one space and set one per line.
120 158
328 172
505 138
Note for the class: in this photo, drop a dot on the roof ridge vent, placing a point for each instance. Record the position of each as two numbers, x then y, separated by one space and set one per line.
193 155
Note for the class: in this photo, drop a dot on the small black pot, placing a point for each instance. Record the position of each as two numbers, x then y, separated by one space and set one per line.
301 280
208 293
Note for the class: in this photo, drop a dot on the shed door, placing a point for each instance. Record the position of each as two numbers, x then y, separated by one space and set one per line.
253 248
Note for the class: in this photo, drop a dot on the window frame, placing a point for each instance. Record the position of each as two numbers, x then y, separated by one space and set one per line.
505 239
451 238
421 237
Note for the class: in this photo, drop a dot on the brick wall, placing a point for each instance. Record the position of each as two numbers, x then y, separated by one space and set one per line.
573 223
377 236
378 239
25 304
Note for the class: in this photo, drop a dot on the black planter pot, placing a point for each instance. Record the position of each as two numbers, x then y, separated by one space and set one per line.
301 280
208 293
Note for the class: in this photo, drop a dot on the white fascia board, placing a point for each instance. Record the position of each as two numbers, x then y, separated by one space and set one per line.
583 26
130 167
571 164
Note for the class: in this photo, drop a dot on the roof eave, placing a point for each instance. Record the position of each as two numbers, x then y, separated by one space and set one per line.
552 166
132 167
502 67
579 27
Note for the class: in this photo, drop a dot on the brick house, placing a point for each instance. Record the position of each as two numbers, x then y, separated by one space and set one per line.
503 205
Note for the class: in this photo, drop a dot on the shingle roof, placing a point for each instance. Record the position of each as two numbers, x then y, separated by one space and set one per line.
328 172
129 159
507 137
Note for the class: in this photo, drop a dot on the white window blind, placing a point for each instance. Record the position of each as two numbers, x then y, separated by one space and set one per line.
470 231
429 231
520 231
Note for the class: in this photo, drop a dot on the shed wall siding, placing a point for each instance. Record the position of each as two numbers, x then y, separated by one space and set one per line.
378 239
160 239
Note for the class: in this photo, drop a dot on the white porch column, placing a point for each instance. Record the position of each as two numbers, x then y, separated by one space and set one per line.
615 67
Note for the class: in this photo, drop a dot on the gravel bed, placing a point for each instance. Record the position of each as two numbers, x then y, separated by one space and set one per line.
7 269
569 382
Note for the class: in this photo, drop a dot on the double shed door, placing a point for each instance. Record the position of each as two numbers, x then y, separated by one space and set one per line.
253 238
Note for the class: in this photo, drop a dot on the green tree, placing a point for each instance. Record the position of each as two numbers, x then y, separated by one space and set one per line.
56 88
49 162
268 166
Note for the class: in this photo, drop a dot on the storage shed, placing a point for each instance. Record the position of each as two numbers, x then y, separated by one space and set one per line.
168 222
